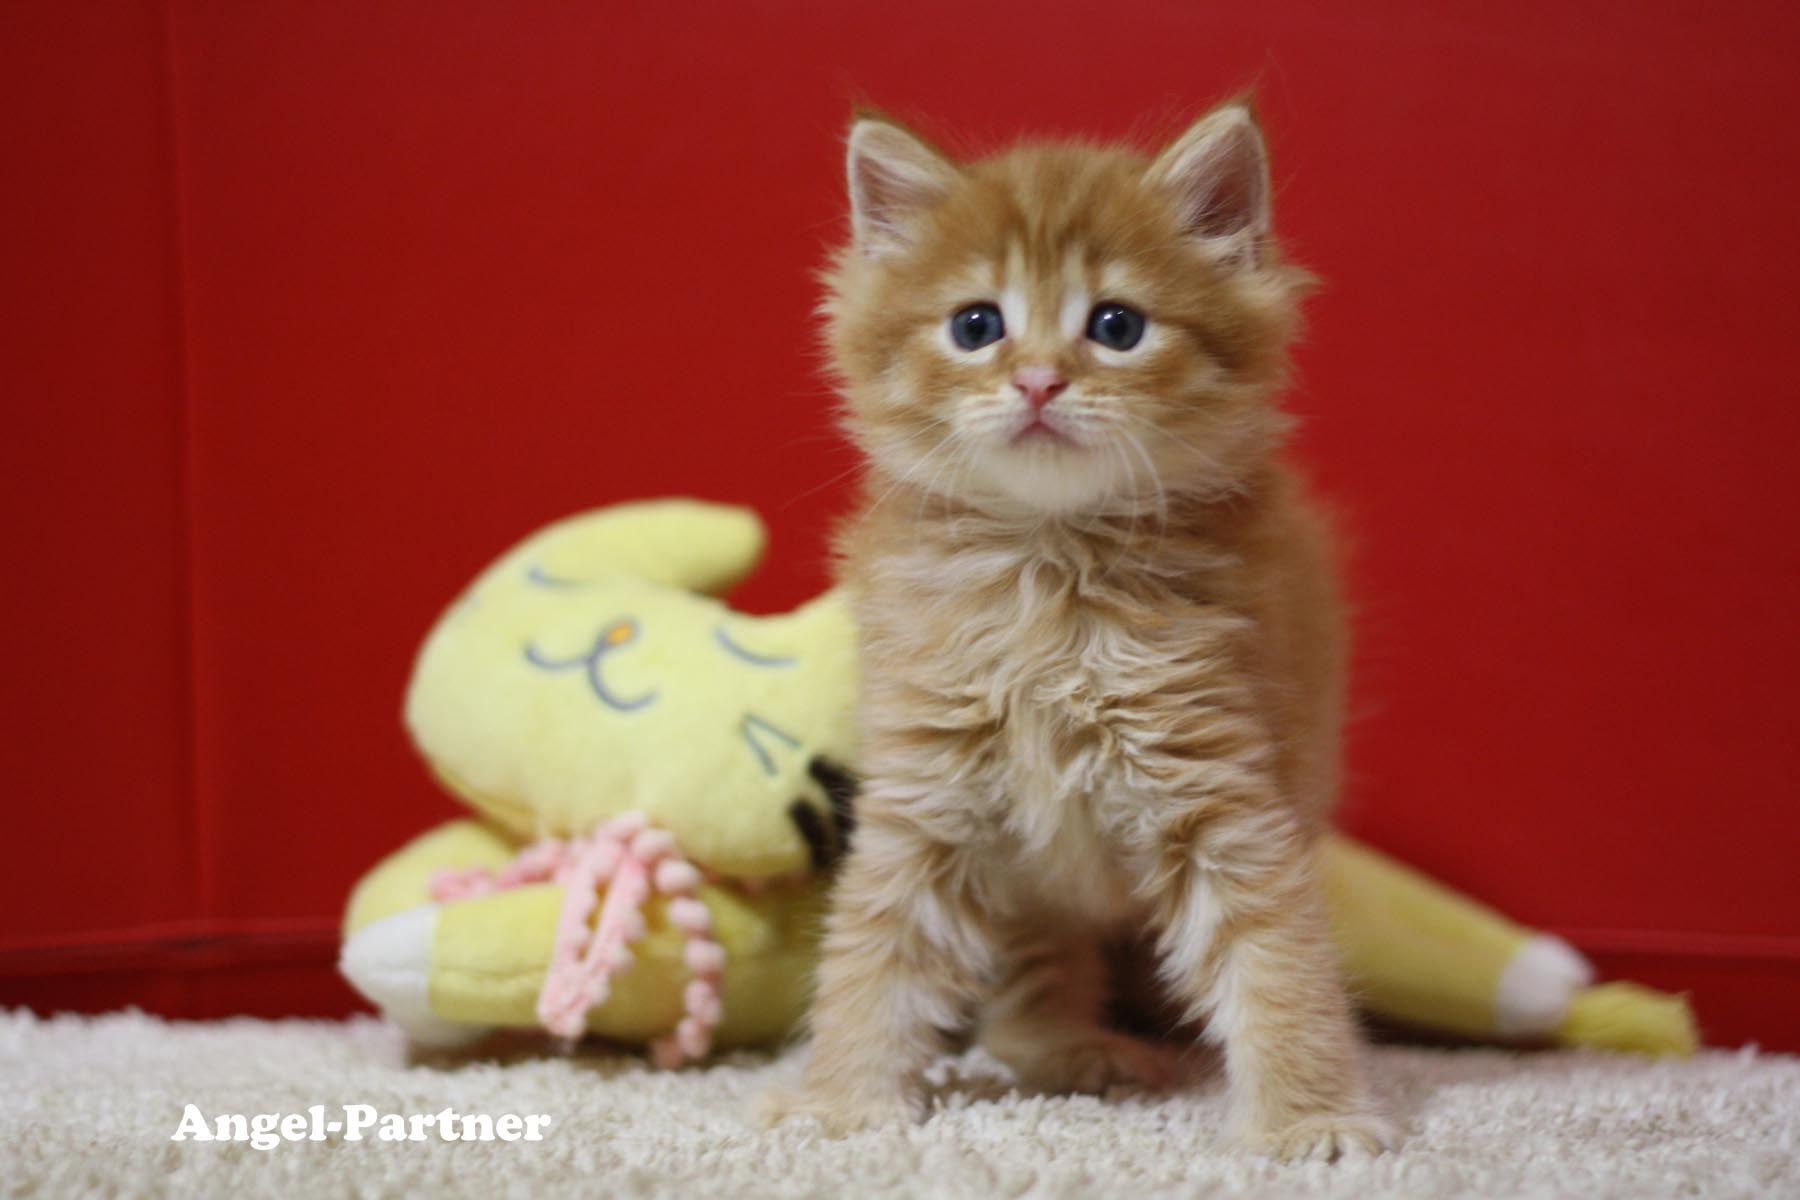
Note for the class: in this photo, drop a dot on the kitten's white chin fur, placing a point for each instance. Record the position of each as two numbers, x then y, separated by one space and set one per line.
1050 478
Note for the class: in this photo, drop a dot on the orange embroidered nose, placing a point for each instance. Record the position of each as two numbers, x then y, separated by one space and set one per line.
1039 385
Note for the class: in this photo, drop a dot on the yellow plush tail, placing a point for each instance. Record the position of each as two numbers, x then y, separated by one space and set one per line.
1417 953
1625 1016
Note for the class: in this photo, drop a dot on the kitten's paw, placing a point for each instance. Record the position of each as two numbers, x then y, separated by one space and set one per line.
836 1112
1095 1063
1328 1137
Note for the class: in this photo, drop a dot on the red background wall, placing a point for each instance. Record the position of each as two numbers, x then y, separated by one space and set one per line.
311 307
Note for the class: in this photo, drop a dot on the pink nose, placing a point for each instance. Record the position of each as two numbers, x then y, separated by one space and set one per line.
1039 384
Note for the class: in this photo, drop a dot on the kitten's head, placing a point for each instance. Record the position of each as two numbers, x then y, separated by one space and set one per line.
1063 328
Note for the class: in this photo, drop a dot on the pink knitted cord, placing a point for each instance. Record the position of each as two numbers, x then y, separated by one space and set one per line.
632 860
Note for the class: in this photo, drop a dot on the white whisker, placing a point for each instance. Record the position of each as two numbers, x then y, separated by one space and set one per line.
905 476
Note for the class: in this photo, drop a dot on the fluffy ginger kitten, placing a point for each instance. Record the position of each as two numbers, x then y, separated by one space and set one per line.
1101 646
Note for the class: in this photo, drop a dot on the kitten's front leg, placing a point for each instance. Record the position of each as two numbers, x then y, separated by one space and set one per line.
1246 946
907 948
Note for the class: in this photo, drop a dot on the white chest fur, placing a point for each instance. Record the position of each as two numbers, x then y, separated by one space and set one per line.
1059 696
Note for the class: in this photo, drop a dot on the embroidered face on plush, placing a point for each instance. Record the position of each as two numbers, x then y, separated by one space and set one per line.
591 671
1062 328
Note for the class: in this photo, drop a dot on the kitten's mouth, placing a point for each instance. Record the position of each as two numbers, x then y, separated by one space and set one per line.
1038 430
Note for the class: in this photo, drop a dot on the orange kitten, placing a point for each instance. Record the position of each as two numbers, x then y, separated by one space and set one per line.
1102 649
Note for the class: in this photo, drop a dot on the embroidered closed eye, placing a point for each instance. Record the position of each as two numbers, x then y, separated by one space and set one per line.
538 577
732 647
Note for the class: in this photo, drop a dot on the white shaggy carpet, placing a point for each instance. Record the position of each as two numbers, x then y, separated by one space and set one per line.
87 1106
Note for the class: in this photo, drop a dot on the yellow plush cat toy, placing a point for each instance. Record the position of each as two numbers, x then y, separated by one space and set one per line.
660 783
612 723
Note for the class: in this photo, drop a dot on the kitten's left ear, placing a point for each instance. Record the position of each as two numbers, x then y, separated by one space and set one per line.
1219 173
894 176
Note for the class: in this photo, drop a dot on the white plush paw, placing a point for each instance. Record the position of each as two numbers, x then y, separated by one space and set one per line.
838 1113
1328 1137
1095 1063
389 962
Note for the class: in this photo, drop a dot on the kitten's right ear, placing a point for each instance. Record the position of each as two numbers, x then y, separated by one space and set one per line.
1218 173
894 176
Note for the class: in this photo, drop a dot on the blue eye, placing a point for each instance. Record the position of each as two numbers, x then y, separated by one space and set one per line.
1115 326
976 326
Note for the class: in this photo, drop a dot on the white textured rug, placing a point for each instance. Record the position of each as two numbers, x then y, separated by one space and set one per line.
87 1107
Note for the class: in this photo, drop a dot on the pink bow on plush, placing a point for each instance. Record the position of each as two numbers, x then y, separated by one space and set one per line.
631 859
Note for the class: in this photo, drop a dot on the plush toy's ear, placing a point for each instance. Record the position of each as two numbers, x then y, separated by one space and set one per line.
894 176
687 544
1218 173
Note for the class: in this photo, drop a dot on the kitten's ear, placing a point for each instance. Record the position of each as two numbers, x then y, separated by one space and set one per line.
1219 173
893 177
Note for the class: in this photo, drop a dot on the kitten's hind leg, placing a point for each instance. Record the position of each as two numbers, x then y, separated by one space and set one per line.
1047 1021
